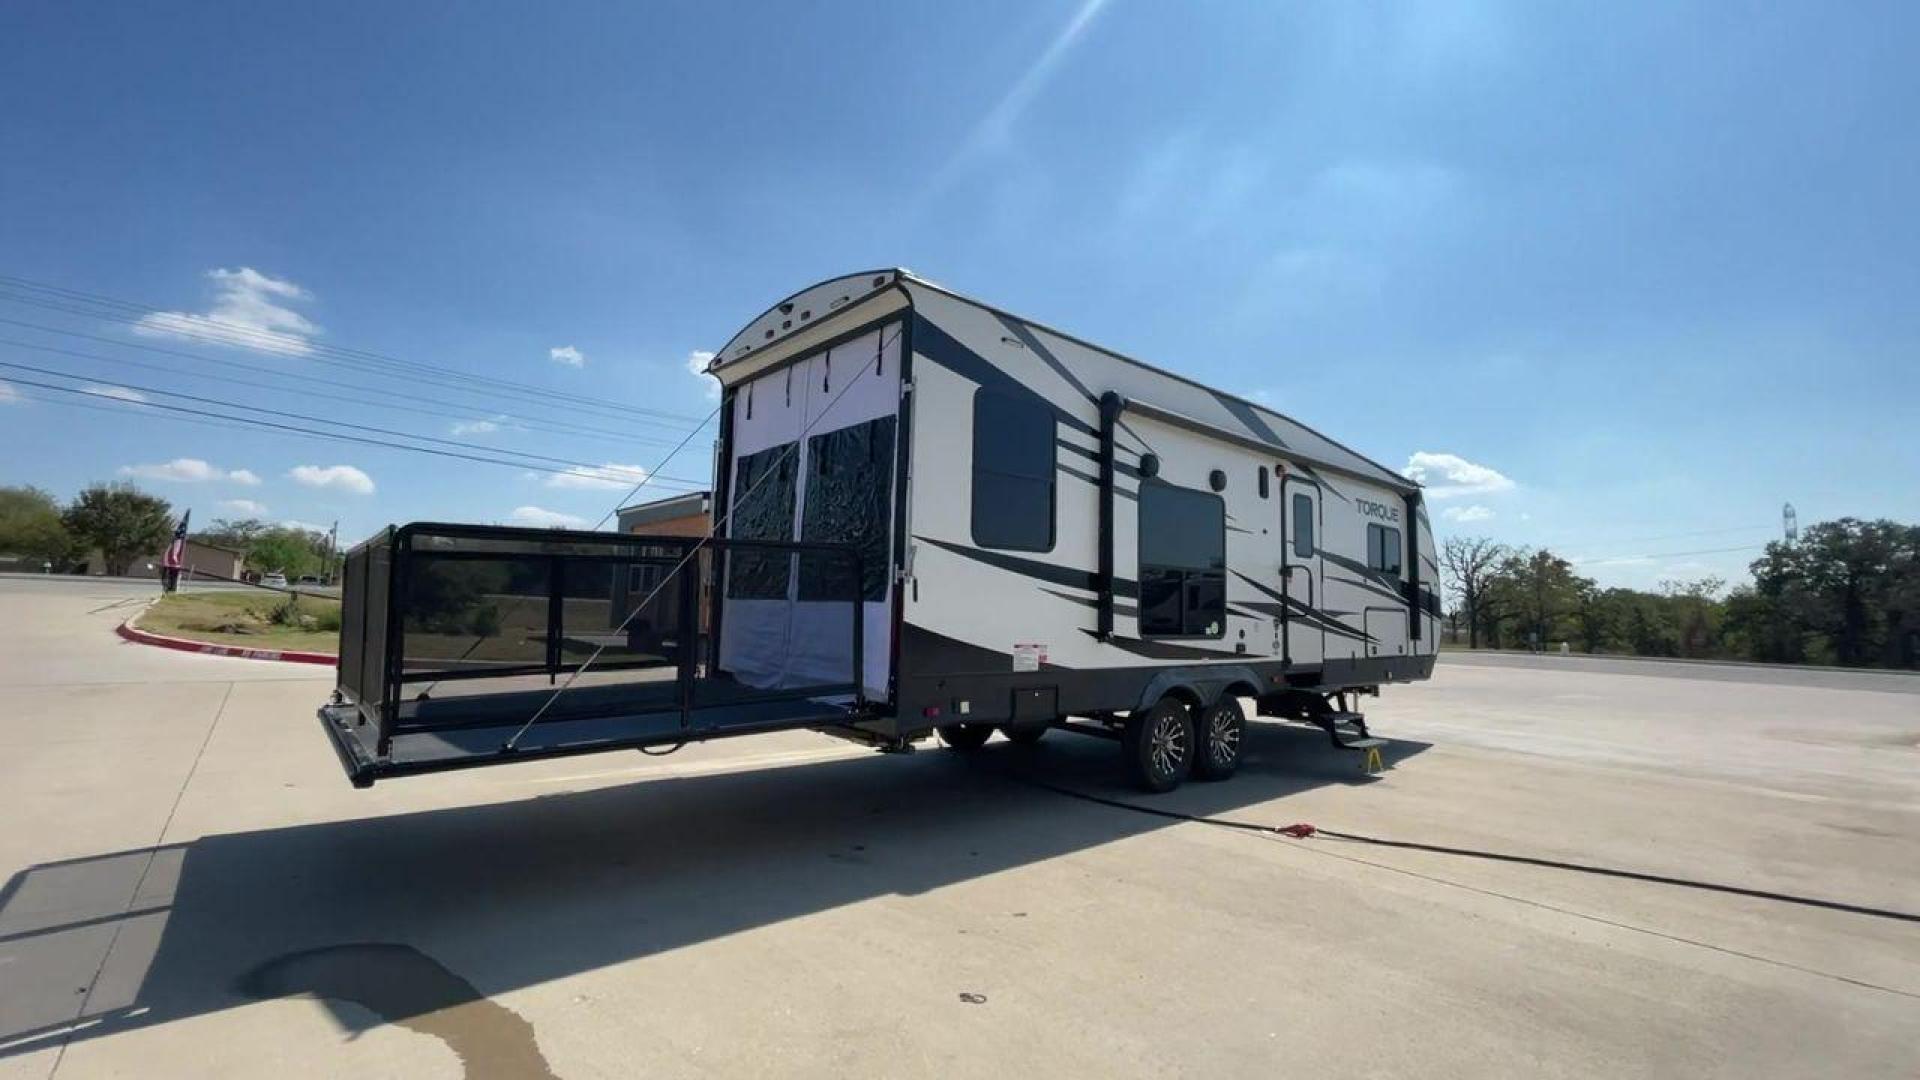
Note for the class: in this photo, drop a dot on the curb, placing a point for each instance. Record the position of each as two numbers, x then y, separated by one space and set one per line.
291 656
1696 661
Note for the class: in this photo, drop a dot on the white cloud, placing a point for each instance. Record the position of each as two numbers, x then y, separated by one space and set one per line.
343 477
8 395
303 526
1464 514
243 506
697 362
540 518
568 355
188 470
606 477
475 427
120 393
249 312
1449 476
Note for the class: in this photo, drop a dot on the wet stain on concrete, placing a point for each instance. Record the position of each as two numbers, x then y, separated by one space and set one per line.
404 986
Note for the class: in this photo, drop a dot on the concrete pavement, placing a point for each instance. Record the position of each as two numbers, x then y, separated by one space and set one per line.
191 888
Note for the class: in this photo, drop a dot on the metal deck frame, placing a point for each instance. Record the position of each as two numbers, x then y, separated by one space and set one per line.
378 733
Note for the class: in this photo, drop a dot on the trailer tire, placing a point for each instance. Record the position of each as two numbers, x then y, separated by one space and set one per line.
1023 734
1221 731
965 738
1158 743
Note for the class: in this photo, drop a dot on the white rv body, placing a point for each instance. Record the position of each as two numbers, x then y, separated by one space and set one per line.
1276 560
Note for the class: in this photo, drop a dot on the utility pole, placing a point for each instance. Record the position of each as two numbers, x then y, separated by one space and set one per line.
1790 523
333 550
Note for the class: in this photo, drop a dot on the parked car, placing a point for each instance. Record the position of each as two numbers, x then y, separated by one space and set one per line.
275 580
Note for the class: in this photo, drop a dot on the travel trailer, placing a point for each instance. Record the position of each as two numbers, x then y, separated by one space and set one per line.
929 515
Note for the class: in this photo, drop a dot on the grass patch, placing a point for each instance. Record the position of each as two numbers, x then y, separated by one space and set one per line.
253 618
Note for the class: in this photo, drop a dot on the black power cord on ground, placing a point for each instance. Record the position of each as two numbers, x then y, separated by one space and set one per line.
1304 831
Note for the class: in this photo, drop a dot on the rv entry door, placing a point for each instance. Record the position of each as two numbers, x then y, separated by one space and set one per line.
1303 641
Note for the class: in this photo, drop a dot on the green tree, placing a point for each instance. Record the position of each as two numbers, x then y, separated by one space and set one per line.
1600 618
238 535
291 551
30 525
1534 592
1765 625
1849 586
1468 563
122 521
1696 613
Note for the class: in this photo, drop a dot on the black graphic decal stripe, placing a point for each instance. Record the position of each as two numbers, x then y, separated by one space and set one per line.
1315 620
1322 481
1162 650
1321 619
1026 336
1093 455
1391 585
1032 341
1371 588
1095 481
942 348
1255 424
1118 609
922 649
1064 576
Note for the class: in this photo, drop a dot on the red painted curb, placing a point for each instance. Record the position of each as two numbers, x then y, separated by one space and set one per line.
133 633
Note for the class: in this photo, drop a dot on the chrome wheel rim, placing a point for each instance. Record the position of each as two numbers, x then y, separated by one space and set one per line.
1167 744
1223 739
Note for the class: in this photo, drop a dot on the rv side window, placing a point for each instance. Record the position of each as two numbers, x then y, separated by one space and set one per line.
1013 462
1383 549
1183 562
1302 526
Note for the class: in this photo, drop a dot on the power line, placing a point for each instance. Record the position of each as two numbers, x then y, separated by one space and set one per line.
602 470
532 423
1699 532
606 410
1603 560
335 436
162 350
219 331
209 330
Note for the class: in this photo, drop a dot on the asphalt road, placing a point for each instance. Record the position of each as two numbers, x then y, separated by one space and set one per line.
190 888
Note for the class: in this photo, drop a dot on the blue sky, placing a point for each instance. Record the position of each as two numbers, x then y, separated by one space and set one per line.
1632 276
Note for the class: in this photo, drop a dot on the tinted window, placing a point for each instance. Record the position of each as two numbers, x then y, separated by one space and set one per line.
1013 463
1383 549
1303 526
1183 562
763 486
849 501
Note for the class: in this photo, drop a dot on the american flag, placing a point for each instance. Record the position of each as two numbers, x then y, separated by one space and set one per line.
177 551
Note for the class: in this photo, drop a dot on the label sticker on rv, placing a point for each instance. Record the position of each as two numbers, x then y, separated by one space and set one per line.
1369 508
1028 656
